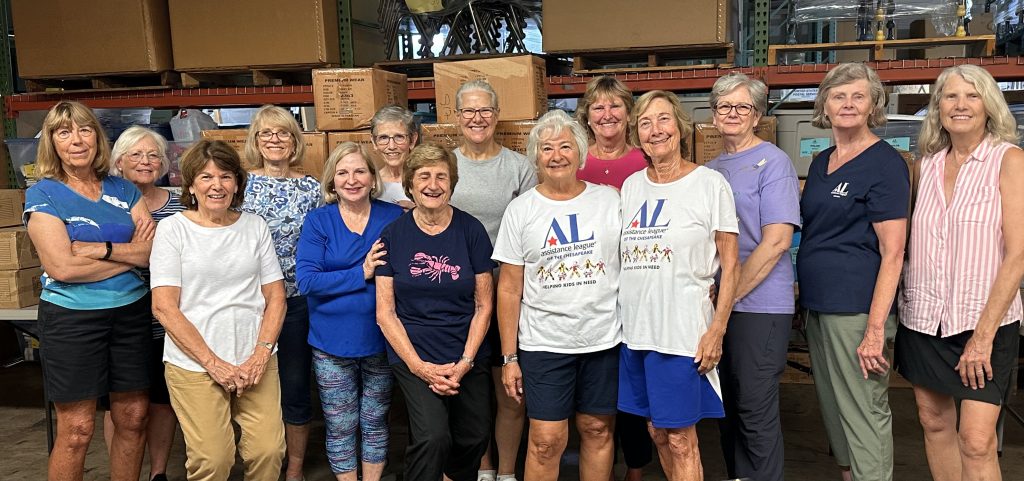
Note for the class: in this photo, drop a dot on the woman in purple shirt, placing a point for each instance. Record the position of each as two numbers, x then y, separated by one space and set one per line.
767 197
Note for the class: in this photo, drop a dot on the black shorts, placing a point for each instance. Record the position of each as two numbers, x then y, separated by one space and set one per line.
88 353
557 385
928 361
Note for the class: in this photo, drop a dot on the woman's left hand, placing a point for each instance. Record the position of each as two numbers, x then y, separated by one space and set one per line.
871 353
251 371
709 351
975 364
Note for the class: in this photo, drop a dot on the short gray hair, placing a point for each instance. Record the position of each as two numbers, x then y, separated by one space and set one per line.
476 85
553 123
130 138
843 74
728 83
395 113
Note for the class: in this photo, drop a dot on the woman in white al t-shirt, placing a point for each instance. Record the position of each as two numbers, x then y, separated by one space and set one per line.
679 229
558 245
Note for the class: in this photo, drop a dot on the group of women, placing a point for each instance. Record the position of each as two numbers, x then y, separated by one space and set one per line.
603 277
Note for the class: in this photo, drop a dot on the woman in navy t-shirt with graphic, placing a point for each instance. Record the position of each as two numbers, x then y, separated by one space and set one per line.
434 302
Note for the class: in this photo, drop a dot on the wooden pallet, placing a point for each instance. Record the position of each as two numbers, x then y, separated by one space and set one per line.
104 81
417 68
710 55
251 76
985 46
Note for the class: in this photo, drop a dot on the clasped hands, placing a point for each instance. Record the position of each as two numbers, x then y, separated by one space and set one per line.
443 379
238 379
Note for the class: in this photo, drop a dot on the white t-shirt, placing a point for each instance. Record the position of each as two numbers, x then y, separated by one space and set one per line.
569 253
393 192
220 271
669 258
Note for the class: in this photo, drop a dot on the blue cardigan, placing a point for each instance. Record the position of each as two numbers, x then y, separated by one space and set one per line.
329 272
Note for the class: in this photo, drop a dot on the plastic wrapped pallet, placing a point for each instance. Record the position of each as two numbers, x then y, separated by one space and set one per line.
941 12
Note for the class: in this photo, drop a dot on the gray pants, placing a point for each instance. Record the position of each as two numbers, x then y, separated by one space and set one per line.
856 411
753 359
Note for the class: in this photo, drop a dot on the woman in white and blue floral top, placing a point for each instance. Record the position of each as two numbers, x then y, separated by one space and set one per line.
283 197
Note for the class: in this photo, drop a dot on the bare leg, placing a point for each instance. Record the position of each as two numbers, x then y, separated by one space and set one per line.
546 444
295 437
108 430
160 436
372 471
937 414
597 451
75 424
680 447
129 411
978 441
660 438
508 426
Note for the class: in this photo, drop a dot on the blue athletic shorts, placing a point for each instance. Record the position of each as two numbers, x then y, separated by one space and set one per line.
557 385
665 389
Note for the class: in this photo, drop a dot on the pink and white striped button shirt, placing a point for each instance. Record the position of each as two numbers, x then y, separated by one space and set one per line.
955 250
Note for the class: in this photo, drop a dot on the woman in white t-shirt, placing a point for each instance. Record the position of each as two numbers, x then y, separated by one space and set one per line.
679 229
558 245
218 290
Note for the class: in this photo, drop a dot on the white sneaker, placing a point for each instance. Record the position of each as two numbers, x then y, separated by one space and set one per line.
486 475
506 477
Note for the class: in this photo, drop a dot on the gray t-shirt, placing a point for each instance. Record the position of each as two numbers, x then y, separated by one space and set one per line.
487 186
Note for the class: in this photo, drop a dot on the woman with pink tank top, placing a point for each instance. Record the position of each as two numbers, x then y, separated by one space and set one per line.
960 309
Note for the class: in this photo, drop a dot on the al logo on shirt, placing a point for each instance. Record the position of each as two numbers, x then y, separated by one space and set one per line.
566 254
643 245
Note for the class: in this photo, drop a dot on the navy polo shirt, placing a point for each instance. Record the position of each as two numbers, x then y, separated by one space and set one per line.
839 257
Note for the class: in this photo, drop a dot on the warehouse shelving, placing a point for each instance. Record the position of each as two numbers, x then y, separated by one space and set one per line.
892 72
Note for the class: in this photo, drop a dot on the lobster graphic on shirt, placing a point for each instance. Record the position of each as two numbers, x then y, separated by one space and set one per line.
433 267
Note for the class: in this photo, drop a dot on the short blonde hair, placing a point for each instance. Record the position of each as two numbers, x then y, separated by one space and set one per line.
603 86
683 123
843 74
327 178
129 139
222 155
271 116
426 155
1000 124
48 164
554 123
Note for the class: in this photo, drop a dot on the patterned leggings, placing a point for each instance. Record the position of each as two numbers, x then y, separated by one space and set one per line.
356 393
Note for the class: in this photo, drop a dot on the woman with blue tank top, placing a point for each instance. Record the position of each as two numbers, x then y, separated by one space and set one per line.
92 233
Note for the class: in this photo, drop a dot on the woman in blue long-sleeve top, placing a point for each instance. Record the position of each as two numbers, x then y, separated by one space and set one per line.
337 253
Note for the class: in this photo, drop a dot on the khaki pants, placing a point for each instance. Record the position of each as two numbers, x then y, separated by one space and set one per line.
855 410
205 411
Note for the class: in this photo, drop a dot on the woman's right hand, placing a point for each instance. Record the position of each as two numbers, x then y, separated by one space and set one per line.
145 230
438 377
373 259
225 374
512 378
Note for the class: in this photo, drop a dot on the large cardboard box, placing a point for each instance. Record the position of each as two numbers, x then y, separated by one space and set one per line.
707 140
242 34
12 205
575 24
56 38
347 98
312 163
16 249
520 83
20 288
511 134
361 137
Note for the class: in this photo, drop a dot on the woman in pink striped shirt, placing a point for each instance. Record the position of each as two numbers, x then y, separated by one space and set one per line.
960 310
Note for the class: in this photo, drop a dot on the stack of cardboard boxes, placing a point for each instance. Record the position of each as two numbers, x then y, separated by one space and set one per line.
19 262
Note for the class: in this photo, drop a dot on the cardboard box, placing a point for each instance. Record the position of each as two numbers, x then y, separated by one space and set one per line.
707 141
243 34
361 137
519 81
312 164
570 24
347 98
57 38
20 288
16 249
510 134
12 205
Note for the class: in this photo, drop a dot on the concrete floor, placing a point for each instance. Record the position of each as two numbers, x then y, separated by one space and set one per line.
24 442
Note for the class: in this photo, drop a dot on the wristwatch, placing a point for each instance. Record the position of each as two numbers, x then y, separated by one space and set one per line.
509 358
467 360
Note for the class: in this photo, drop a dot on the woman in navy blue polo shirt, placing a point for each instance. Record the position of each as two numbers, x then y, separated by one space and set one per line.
854 208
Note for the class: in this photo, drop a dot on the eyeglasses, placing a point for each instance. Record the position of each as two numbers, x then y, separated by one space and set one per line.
485 113
269 134
741 109
400 139
83 132
136 157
